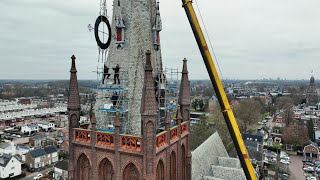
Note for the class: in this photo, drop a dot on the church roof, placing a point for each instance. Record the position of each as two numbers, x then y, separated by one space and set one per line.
211 157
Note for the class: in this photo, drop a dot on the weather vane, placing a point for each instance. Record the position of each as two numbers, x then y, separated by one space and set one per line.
102 30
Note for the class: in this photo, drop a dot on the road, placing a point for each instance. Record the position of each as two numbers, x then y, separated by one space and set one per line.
30 176
295 167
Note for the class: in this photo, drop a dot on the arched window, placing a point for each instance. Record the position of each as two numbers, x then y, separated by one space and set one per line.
173 166
106 170
131 172
160 171
83 168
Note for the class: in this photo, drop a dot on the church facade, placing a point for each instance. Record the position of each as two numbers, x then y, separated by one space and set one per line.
96 155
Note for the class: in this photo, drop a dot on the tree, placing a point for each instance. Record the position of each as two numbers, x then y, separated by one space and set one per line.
295 135
287 114
216 119
247 112
310 130
201 105
199 133
194 104
284 101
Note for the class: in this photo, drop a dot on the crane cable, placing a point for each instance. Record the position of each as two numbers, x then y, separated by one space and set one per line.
205 29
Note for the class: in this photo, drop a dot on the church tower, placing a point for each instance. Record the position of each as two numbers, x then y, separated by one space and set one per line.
135 28
311 93
103 155
125 139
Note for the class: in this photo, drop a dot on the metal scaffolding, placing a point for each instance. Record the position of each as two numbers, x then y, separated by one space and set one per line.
113 98
167 94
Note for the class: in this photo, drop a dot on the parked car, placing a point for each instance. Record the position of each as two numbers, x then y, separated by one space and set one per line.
284 161
306 160
30 170
309 169
38 176
285 158
311 178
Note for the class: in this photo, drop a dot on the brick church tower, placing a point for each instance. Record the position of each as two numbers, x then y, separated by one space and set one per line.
164 155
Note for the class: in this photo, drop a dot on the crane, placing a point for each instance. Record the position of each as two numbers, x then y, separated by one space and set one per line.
218 88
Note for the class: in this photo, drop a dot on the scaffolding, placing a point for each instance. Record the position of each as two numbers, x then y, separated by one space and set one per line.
167 94
113 98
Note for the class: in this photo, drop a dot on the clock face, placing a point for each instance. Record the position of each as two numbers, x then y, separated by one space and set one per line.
102 32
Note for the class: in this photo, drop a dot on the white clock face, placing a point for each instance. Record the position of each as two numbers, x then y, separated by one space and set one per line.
103 32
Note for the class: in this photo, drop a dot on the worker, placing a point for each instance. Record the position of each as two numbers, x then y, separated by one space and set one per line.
114 98
116 74
105 73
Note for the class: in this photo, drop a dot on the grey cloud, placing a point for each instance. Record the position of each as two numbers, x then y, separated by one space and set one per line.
252 39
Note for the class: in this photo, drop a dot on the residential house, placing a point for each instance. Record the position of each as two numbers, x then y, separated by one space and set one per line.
6 148
10 166
52 154
41 157
37 141
46 126
61 170
29 129
22 150
264 131
212 103
254 145
311 150
63 133
61 123
65 146
277 121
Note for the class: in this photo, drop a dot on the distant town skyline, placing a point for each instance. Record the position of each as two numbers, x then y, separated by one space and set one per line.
252 40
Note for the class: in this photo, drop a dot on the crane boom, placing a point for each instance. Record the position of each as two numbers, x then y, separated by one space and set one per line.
221 95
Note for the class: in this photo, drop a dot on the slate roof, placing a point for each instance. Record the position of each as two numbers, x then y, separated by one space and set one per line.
50 149
62 165
38 153
5 159
254 154
43 151
254 137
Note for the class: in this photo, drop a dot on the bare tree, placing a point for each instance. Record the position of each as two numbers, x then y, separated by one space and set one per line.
247 112
295 135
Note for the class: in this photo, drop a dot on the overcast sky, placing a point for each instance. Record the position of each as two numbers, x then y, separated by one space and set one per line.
253 39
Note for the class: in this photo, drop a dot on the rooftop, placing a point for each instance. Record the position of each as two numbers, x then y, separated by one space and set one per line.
62 165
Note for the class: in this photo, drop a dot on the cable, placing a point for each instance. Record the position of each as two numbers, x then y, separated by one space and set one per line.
205 29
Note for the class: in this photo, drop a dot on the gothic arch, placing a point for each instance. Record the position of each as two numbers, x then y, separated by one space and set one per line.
160 170
106 171
183 162
83 168
173 166
130 172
